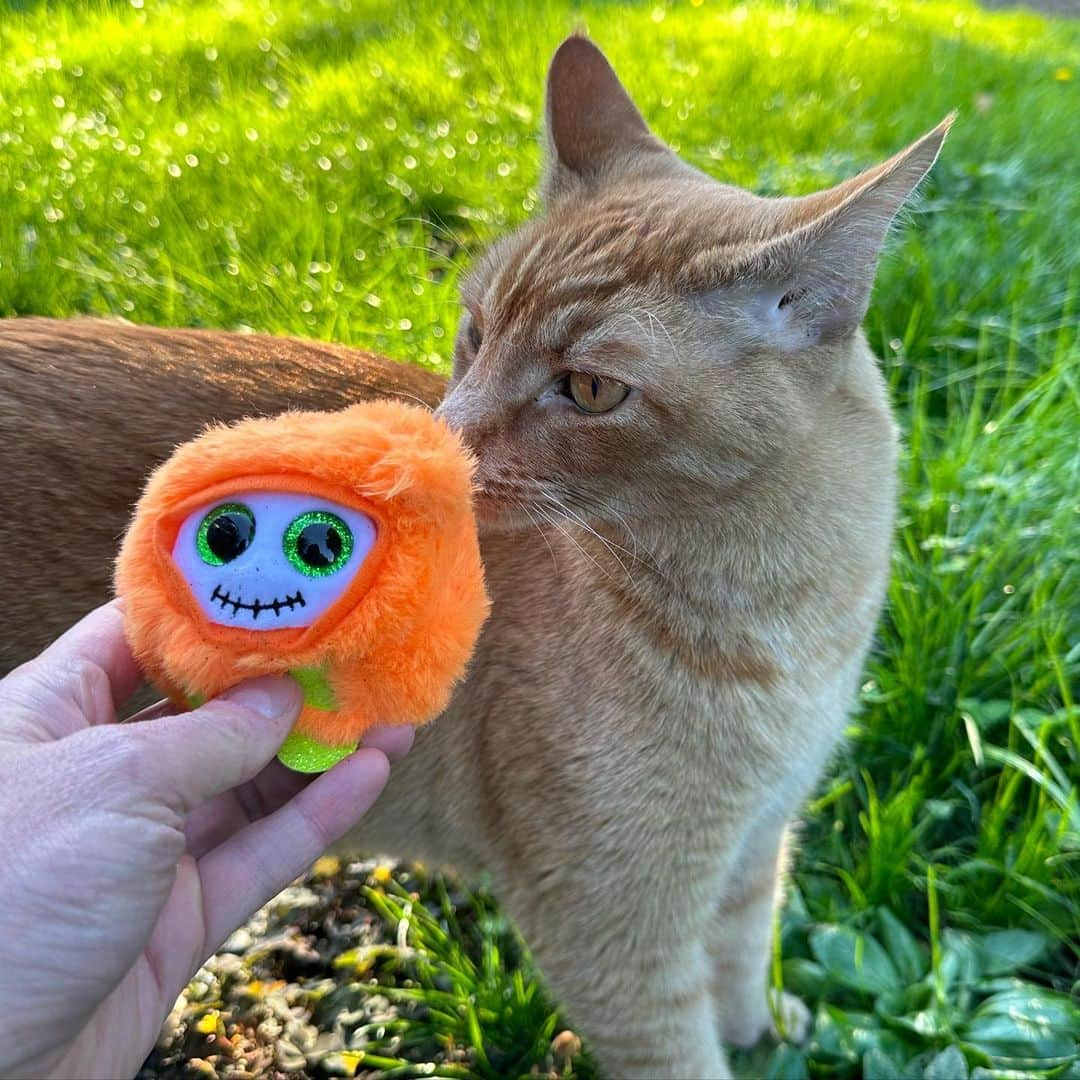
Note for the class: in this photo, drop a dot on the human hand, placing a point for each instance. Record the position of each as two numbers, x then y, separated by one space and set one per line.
130 852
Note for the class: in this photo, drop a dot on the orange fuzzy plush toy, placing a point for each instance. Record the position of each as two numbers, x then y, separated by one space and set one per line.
337 547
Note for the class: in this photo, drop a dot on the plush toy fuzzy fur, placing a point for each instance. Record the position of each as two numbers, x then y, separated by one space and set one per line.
392 646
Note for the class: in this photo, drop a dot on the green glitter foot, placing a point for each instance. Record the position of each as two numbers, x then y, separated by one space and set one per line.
302 753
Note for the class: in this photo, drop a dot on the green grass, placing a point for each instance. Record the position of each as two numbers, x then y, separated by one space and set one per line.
326 169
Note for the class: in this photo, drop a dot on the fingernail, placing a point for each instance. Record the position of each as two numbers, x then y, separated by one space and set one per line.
269 697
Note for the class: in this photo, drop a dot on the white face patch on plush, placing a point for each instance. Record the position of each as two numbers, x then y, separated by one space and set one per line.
265 560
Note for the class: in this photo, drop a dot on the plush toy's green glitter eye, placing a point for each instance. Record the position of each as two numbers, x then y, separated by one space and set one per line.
225 533
318 543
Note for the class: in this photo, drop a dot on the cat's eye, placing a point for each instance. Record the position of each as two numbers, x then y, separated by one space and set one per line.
318 543
596 393
225 534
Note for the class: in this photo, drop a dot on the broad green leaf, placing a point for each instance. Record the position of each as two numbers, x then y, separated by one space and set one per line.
843 1035
900 1003
961 958
855 960
786 1063
872 1036
1015 1035
932 1023
950 1064
1035 1004
877 1065
807 978
916 1010
904 950
832 1036
1004 951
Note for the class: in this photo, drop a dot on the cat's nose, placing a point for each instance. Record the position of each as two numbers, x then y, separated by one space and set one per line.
448 411
467 416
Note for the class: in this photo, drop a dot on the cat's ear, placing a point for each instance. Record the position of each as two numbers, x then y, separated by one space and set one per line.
593 128
819 270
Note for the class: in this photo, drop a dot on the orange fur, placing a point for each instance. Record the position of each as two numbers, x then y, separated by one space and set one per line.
399 637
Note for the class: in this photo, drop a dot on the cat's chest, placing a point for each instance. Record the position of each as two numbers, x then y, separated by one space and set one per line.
563 619
621 675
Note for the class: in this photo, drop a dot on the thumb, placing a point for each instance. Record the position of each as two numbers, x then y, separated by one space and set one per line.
193 756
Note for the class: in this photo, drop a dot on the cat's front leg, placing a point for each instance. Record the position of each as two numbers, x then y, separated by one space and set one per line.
740 944
624 954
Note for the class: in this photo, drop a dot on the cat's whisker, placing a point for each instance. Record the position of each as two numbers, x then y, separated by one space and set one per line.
536 525
539 488
437 255
439 227
570 515
607 509
553 518
412 397
629 314
625 525
656 319
637 322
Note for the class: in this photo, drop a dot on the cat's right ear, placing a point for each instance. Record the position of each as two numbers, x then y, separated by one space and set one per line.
810 283
593 128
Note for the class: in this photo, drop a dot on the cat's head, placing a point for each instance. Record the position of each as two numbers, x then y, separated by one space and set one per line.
655 336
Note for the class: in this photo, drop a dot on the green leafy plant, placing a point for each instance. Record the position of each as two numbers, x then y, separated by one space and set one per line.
888 1006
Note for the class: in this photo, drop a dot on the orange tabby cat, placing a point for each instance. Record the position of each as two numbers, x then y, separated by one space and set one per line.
686 468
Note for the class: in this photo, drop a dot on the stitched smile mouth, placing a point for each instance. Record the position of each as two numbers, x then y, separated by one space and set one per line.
275 605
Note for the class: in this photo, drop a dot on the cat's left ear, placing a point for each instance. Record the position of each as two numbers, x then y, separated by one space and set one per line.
815 275
594 130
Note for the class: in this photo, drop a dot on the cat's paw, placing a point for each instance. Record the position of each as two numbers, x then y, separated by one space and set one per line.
781 1016
791 1020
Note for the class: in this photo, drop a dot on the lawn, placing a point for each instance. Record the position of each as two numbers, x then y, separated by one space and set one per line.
326 169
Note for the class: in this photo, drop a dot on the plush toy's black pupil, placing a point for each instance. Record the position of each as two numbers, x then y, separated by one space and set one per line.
319 545
229 535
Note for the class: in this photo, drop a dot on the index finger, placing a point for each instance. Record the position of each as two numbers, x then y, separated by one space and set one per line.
80 679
